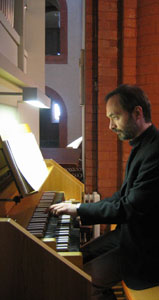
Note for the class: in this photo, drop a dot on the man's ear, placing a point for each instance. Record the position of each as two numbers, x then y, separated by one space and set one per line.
138 112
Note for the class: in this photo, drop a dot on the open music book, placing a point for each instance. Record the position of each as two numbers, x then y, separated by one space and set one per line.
25 161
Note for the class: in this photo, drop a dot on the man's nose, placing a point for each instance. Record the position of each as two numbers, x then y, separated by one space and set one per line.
112 125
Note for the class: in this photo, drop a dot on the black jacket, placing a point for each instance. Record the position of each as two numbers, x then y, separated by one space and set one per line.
135 208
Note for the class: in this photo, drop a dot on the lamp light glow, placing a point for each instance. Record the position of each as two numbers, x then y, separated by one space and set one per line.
36 103
31 95
35 97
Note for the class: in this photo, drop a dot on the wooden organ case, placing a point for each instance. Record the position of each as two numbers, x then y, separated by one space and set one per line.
31 268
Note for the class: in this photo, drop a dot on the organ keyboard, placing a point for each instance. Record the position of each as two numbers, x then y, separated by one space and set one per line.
66 187
44 225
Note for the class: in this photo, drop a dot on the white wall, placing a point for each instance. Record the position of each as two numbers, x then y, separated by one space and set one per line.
65 78
8 118
11 116
9 48
34 43
30 115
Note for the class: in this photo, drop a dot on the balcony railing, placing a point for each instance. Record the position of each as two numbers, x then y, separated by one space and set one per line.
7 7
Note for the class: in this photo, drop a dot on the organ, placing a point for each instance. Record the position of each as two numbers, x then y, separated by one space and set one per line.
33 264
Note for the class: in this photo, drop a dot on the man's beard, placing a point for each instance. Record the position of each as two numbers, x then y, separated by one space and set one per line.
129 132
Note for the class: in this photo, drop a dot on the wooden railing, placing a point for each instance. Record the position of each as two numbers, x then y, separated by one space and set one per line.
7 7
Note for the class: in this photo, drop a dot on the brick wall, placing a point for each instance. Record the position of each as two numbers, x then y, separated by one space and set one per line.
148 52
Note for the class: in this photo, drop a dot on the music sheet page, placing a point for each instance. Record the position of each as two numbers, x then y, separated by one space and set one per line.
29 159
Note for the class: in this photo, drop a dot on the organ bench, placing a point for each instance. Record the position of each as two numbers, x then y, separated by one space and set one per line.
147 294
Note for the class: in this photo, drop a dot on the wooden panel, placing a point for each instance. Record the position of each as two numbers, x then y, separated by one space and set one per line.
23 211
31 270
74 257
9 193
61 180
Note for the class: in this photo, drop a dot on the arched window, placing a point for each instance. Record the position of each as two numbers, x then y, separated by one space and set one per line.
56 32
53 122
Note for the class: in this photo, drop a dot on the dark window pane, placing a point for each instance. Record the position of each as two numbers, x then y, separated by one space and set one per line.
49 132
52 41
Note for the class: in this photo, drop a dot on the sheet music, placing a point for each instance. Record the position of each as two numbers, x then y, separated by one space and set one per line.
29 159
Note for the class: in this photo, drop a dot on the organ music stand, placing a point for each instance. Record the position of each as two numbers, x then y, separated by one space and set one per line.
26 163
16 199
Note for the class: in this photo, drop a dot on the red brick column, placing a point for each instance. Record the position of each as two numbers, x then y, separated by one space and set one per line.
129 52
107 80
101 161
91 98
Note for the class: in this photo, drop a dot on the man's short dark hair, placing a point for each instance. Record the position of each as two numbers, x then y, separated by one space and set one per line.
131 96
